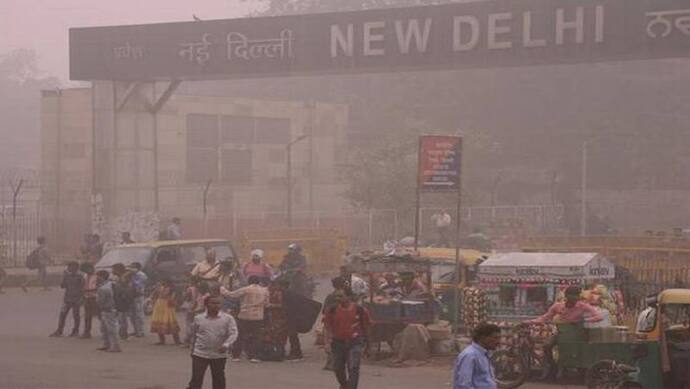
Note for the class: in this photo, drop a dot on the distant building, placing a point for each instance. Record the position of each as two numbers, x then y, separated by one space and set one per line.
239 144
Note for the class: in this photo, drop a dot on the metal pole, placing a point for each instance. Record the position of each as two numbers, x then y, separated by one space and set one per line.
205 203
289 184
15 195
312 115
417 204
459 271
156 182
371 229
583 210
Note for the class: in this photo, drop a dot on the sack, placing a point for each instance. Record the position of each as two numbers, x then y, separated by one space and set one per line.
302 312
32 260
123 296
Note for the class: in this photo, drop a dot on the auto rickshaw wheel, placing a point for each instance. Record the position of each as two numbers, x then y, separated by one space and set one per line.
603 375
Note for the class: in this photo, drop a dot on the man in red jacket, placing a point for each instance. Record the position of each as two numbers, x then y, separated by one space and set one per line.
347 328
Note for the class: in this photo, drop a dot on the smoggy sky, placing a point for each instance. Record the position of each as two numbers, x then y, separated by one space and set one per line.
42 25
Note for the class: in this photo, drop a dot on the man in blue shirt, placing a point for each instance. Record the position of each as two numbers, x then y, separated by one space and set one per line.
473 368
136 313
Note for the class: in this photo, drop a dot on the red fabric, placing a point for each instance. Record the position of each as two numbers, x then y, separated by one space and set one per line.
259 270
345 322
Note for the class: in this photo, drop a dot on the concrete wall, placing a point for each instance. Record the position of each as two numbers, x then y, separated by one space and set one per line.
126 145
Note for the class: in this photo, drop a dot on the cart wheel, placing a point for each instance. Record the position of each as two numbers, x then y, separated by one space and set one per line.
603 375
510 369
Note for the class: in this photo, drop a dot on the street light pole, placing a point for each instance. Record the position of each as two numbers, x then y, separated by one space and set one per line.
288 175
583 195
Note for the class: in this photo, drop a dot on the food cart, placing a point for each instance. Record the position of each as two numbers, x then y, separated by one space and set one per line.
443 269
520 286
390 316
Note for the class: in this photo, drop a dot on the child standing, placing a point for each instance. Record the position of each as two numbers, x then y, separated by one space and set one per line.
195 297
164 318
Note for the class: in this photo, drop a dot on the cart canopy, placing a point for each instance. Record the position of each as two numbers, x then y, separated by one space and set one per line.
541 267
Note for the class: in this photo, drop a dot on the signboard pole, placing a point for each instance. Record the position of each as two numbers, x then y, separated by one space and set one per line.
459 270
439 170
417 204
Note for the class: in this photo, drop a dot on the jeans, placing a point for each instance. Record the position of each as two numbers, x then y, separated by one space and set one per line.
137 316
248 338
64 311
109 329
347 356
122 318
90 311
199 366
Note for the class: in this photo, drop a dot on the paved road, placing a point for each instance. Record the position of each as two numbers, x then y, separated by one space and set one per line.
30 359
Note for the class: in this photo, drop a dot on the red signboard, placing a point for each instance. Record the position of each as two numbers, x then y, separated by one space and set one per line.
440 159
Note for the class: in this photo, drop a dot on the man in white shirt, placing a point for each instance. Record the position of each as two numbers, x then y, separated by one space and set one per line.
442 221
212 334
253 301
174 230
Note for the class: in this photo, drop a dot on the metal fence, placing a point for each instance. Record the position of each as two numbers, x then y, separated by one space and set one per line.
363 229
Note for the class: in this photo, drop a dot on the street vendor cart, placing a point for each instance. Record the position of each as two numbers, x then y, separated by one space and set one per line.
521 286
390 316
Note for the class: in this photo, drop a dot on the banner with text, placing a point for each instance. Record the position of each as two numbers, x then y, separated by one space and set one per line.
478 34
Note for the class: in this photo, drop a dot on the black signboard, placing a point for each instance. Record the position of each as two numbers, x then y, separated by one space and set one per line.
465 35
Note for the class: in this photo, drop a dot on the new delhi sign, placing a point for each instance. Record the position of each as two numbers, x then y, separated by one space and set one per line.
454 36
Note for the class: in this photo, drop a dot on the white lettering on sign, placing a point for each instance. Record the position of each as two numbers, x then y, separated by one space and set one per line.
578 25
405 35
527 39
661 25
196 51
371 37
128 51
459 42
339 40
495 30
600 271
239 46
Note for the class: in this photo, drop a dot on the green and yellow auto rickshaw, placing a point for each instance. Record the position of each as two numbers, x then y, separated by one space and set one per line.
661 352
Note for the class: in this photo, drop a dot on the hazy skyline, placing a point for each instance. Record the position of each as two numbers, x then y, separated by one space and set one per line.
42 25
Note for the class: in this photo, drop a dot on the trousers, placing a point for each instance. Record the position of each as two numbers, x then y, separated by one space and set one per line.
347 357
90 311
248 338
109 329
64 311
199 366
137 316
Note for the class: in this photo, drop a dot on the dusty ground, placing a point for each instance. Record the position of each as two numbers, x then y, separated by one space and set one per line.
30 359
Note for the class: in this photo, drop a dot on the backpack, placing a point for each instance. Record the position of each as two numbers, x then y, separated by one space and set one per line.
123 296
32 260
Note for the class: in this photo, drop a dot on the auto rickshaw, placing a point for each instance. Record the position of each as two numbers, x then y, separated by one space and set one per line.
661 353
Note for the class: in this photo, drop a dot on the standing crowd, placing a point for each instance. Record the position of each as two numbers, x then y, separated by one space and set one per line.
253 310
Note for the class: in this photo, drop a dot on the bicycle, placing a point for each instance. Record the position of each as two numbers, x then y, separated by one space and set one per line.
514 365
